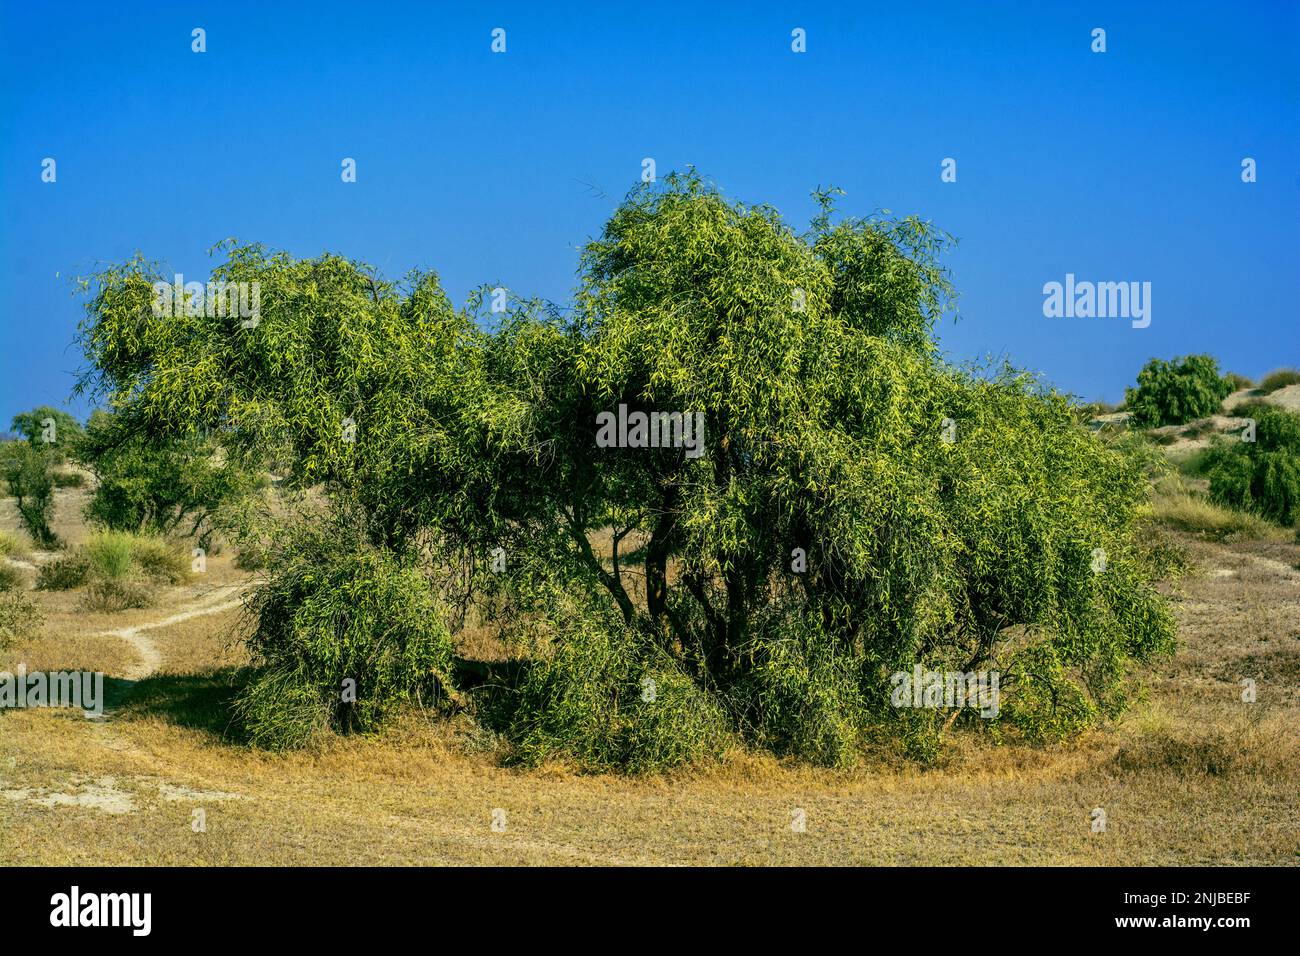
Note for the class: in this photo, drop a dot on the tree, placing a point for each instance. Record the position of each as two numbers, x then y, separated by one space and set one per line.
27 469
1176 392
51 429
854 507
180 483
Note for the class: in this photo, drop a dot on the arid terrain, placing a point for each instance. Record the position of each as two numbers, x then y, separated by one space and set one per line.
1191 775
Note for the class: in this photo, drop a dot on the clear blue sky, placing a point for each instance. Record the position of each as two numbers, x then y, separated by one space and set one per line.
1116 166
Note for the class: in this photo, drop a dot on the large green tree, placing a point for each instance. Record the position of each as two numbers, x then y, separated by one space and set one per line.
854 506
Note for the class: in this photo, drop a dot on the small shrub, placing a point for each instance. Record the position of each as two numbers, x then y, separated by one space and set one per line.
115 594
334 610
281 709
11 578
19 618
10 546
69 479
111 554
608 699
64 573
1238 382
161 560
1262 476
1174 393
1279 379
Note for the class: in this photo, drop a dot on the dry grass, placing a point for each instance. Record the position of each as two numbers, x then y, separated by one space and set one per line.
1191 776
1196 514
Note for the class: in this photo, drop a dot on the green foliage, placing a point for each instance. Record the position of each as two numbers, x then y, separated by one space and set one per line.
162 485
50 429
160 559
110 554
1237 382
117 569
1262 476
827 413
27 469
608 698
1176 392
1280 378
803 696
333 609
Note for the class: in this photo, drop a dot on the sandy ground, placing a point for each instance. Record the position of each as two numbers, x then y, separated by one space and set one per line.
1192 775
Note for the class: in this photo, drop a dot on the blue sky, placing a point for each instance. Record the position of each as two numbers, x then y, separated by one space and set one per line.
1119 166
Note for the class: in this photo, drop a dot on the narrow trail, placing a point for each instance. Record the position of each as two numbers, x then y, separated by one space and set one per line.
150 656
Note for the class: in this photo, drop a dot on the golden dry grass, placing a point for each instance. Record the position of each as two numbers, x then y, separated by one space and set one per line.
1191 776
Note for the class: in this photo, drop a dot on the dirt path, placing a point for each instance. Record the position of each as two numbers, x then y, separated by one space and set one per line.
150 657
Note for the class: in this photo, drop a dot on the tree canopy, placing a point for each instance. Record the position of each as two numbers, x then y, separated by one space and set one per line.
857 506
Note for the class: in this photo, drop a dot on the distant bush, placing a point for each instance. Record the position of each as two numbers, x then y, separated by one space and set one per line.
1279 379
1209 519
11 546
115 594
161 559
1174 393
69 479
63 573
1262 476
19 617
52 430
11 578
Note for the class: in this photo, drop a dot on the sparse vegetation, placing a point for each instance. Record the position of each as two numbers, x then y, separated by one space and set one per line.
11 577
1278 379
117 568
1198 515
19 617
64 572
11 546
